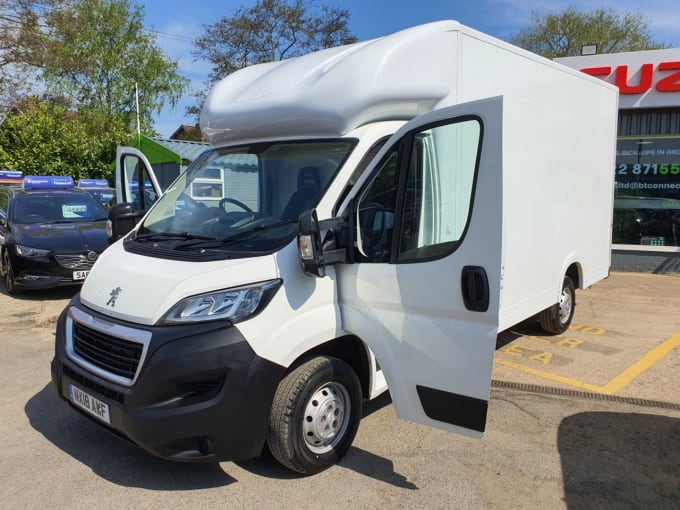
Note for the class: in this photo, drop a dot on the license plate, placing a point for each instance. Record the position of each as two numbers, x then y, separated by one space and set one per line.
80 275
88 403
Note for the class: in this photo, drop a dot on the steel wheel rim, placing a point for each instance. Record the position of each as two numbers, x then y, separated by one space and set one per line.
8 274
565 305
326 417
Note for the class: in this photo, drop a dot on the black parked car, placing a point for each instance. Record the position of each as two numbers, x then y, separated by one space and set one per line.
50 233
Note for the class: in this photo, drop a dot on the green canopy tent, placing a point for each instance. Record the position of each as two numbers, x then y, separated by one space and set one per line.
168 157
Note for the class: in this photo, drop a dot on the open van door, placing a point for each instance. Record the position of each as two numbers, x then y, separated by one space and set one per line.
425 286
137 189
136 182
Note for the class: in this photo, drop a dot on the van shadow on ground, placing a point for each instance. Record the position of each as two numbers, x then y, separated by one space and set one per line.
123 463
620 460
110 457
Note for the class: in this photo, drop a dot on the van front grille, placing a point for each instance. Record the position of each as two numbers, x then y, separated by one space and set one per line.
114 355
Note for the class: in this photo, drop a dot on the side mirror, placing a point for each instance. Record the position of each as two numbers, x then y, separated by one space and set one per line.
380 223
376 225
321 243
122 219
309 244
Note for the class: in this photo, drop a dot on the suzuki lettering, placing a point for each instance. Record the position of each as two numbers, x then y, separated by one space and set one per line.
666 82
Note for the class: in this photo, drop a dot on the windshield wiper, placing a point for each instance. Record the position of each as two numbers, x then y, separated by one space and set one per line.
182 236
216 243
74 220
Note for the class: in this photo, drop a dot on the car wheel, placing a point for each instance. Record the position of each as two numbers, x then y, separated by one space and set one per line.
557 318
315 415
10 285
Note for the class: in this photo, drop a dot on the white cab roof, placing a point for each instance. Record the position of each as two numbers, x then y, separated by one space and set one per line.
330 92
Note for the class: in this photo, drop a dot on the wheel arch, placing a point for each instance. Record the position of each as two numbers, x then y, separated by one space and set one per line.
575 272
351 350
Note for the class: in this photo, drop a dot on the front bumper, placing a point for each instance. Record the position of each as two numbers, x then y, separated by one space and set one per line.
47 272
200 394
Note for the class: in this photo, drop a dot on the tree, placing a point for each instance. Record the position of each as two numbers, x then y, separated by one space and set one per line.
22 25
562 34
270 30
99 51
90 55
45 138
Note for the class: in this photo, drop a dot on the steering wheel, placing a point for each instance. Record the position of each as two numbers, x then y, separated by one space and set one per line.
238 203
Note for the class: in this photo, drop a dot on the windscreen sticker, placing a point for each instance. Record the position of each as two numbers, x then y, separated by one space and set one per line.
75 211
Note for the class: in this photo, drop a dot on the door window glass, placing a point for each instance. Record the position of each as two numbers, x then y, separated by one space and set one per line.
138 183
434 199
438 190
375 214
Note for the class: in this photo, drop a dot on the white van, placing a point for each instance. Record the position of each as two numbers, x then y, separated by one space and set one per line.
384 210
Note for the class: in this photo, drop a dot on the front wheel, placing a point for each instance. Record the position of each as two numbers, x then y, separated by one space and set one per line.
315 415
10 284
557 318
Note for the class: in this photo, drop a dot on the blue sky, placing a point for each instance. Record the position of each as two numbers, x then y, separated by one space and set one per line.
177 23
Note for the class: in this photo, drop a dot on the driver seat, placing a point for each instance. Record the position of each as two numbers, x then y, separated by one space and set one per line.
306 195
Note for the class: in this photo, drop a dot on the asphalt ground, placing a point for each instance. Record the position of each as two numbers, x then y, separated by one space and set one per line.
623 327
32 308
585 420
624 341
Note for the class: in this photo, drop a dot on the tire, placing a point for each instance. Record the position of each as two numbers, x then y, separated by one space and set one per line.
557 319
8 279
315 415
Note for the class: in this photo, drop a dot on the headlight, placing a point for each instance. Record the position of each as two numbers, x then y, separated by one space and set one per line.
27 251
235 304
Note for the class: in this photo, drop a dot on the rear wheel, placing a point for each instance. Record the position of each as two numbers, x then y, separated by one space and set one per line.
557 318
8 279
315 415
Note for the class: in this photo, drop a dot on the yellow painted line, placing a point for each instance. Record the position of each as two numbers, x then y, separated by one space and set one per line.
623 379
619 382
553 377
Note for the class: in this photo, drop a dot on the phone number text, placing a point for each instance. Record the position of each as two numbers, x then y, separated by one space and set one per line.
648 169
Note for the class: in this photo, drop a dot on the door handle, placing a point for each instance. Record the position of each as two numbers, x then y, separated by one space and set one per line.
475 288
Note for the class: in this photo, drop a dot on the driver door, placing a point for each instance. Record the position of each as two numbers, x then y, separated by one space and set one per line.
136 182
137 189
425 288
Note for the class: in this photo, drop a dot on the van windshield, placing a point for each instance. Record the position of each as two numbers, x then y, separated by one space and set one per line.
245 198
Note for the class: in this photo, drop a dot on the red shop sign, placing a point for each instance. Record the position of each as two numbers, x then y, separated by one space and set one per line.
648 75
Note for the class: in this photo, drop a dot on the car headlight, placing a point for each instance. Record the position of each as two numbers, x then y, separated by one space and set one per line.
235 304
27 251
